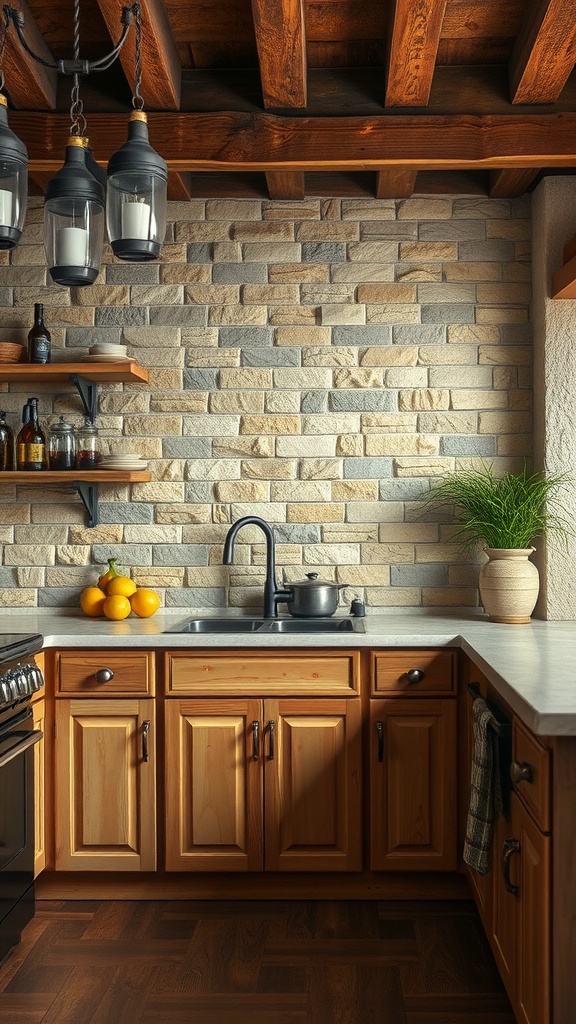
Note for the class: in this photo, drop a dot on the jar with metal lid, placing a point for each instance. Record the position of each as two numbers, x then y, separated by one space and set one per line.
61 445
87 446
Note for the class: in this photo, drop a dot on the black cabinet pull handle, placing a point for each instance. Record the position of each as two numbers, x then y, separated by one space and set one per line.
380 735
255 739
509 848
415 675
271 730
145 731
521 771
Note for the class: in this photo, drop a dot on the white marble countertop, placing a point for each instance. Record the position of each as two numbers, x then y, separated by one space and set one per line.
533 666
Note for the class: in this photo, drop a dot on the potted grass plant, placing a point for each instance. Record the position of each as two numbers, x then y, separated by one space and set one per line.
504 515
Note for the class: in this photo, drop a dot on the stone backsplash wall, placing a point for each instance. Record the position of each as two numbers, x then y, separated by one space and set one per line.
317 363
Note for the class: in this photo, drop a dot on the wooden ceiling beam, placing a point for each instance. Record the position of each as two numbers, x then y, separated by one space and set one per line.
395 183
266 142
413 45
544 52
281 43
161 69
511 182
29 85
179 186
285 184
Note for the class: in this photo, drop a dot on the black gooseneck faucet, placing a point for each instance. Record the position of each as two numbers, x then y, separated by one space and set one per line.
271 592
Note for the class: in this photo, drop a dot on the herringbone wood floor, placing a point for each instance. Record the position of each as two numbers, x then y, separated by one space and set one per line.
325 962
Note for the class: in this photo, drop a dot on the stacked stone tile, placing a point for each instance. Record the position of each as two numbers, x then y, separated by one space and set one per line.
317 363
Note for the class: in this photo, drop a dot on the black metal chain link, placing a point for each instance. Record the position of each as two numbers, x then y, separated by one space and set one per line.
137 99
77 119
2 48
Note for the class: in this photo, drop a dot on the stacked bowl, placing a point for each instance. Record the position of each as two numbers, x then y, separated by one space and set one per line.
104 351
126 461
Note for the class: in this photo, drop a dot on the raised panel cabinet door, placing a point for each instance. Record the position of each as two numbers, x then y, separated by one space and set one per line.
39 711
213 785
105 785
312 785
533 978
412 784
505 875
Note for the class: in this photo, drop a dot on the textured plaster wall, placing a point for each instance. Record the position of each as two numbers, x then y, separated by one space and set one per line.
554 223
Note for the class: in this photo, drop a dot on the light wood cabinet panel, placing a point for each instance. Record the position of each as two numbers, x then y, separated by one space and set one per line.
313 785
85 672
39 713
413 784
105 789
213 785
254 785
265 673
415 672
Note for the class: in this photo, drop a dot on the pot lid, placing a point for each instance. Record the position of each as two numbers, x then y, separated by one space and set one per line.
312 581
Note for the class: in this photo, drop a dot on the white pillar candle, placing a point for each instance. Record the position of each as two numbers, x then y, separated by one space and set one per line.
135 220
71 247
5 208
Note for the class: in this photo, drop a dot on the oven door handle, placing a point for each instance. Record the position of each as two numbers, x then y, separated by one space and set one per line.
31 739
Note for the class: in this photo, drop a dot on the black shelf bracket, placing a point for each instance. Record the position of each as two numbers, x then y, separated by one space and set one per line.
88 492
88 391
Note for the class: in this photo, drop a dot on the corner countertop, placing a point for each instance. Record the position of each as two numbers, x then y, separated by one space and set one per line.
532 666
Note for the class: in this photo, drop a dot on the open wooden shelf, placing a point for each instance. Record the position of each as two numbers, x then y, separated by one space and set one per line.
68 476
123 371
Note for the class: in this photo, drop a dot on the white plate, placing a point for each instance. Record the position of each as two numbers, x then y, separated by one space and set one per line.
123 465
108 358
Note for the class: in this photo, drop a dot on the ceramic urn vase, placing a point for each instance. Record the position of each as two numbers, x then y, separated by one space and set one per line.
509 584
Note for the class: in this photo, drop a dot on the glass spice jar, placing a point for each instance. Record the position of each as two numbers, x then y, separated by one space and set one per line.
87 446
61 445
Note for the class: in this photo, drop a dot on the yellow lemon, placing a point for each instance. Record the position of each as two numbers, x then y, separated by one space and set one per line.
120 585
144 602
116 607
111 572
92 601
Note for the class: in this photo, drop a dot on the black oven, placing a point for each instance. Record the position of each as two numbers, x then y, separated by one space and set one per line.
19 679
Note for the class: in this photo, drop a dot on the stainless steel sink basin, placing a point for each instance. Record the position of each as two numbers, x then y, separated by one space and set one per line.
248 625
214 625
313 626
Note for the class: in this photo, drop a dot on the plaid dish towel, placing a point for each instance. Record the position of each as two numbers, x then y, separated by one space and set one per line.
485 792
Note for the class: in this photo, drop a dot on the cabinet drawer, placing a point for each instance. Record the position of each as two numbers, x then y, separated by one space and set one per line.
390 673
317 673
78 672
532 760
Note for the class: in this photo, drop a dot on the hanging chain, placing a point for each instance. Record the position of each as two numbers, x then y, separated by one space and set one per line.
137 99
77 119
2 47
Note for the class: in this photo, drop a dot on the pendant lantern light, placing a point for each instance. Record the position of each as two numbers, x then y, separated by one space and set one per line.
137 185
74 219
13 171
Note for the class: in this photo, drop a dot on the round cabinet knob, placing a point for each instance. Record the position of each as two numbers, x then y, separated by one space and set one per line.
104 675
415 675
521 771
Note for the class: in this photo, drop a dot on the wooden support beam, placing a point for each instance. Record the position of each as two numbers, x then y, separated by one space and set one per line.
161 70
395 183
179 186
238 141
544 53
413 45
511 182
29 85
285 184
281 42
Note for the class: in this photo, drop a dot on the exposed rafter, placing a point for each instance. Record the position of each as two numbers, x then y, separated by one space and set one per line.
285 184
511 182
544 53
395 183
413 45
179 185
281 42
29 85
161 68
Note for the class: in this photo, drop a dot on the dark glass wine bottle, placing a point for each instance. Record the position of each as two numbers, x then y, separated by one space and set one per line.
6 444
31 441
39 341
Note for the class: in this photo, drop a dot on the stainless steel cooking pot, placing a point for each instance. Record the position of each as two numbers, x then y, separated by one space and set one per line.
312 597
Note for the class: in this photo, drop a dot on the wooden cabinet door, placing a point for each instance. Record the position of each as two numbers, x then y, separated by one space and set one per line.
105 788
39 713
521 917
213 785
412 784
312 787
